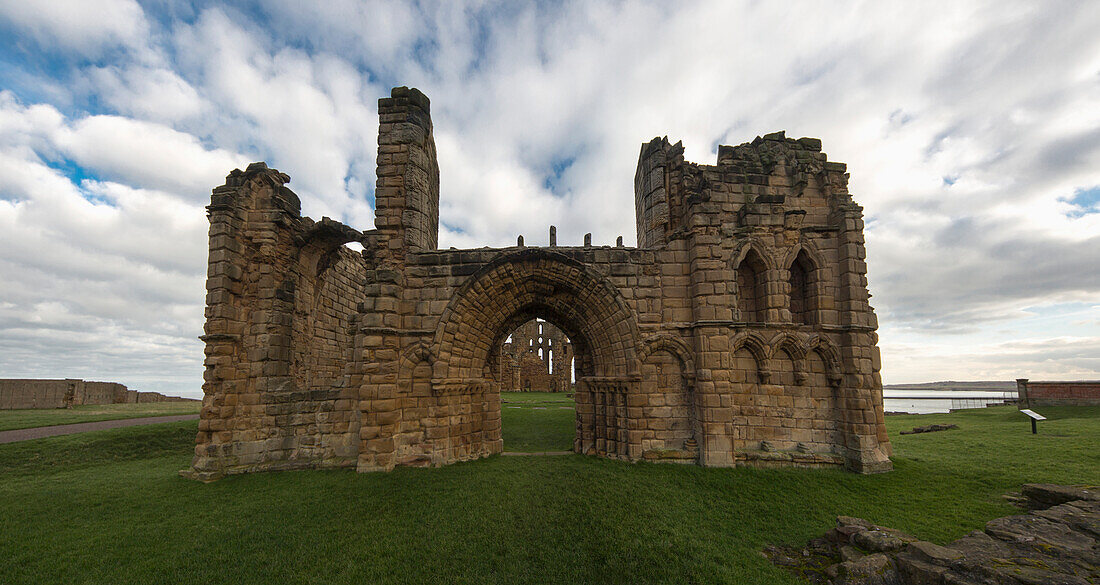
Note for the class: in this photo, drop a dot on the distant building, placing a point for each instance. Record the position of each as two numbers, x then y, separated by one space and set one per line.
537 357
27 393
1077 393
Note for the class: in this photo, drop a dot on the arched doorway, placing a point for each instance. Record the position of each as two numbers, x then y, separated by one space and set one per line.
515 289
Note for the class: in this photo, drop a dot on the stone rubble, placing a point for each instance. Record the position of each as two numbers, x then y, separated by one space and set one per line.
1057 543
930 429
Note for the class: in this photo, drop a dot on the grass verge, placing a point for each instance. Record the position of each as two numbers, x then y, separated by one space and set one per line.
537 421
107 507
25 419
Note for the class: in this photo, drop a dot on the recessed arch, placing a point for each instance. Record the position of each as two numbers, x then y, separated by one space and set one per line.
789 342
806 283
751 276
829 354
675 346
805 248
755 345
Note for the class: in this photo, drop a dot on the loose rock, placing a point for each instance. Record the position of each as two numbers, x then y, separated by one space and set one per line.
1052 545
930 429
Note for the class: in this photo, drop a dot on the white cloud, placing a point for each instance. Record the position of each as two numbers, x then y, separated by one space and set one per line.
315 113
95 270
79 25
966 126
154 94
147 155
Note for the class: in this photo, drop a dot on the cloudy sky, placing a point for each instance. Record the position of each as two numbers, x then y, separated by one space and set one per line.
972 132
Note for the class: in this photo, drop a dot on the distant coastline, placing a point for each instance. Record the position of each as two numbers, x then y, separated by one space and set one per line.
991 386
940 397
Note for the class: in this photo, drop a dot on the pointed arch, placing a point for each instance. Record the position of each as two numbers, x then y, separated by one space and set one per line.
809 250
752 267
753 342
417 363
416 353
807 275
516 287
789 342
752 244
794 347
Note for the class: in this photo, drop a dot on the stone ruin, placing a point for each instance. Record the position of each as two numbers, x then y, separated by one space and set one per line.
737 332
537 357
70 392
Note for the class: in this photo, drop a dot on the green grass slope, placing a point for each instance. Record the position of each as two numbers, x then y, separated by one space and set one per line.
108 507
25 419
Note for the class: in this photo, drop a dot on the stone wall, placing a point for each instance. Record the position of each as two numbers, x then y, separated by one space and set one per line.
738 332
1057 393
20 394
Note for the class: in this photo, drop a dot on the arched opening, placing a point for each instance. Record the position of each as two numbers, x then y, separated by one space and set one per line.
537 408
521 370
802 301
513 290
751 288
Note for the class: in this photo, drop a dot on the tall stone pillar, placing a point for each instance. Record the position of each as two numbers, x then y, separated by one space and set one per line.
862 416
380 351
407 191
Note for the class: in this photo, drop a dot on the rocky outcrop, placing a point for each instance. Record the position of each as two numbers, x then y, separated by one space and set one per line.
1057 542
931 428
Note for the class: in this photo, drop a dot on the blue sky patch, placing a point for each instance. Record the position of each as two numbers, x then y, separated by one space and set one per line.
75 173
451 227
1086 201
557 169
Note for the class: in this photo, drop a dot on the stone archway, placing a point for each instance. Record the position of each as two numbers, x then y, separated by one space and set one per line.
516 288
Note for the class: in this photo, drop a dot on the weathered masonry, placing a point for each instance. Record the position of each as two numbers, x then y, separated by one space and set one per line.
737 332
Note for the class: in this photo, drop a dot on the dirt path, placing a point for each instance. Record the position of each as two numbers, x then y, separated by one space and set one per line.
40 432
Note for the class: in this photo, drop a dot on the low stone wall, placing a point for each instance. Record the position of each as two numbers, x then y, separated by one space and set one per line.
1080 393
26 394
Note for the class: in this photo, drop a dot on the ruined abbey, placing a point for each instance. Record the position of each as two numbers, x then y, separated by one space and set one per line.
537 357
737 332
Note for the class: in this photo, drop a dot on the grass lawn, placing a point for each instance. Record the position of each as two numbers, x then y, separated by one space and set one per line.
107 507
537 421
44 417
537 398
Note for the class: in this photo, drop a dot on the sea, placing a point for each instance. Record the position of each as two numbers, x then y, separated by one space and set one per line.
912 400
